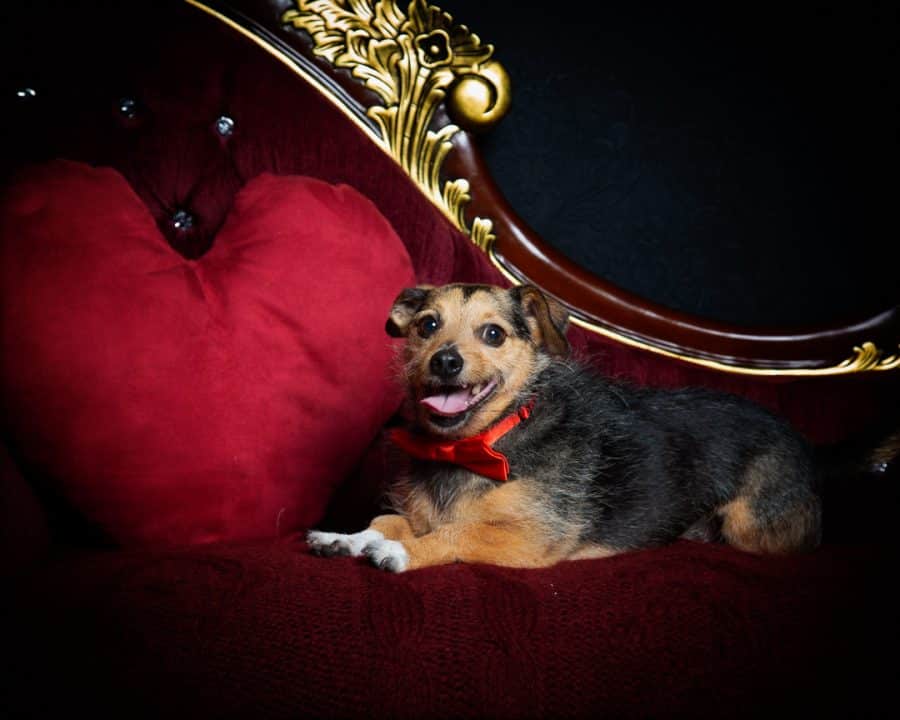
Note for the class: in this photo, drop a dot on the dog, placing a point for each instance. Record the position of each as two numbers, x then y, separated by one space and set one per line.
520 456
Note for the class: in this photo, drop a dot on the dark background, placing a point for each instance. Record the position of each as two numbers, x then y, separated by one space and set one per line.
733 161
736 161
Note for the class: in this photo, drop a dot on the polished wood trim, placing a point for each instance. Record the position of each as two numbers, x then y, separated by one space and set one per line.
851 345
526 257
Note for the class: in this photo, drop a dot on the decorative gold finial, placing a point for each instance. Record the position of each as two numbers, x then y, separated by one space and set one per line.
477 102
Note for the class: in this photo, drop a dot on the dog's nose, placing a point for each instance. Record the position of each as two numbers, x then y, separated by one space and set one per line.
446 363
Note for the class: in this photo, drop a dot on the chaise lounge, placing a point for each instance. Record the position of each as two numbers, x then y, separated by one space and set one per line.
208 208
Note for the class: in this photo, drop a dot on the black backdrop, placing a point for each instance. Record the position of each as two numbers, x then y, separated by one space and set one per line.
734 161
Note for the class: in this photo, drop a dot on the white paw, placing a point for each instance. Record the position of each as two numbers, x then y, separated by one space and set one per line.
329 544
388 555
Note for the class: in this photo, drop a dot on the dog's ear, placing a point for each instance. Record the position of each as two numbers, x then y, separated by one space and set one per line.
407 304
549 316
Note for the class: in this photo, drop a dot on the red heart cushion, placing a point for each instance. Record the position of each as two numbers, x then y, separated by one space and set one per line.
180 401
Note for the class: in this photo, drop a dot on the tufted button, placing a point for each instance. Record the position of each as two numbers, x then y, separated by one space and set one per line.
224 126
182 220
128 108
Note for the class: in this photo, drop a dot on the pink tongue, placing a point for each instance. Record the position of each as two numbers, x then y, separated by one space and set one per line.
448 403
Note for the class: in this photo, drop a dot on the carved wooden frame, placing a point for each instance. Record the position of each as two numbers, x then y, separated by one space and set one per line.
421 86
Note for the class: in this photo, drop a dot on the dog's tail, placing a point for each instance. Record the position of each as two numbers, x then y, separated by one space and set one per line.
861 486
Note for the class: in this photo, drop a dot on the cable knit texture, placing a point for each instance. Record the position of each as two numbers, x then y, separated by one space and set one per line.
267 631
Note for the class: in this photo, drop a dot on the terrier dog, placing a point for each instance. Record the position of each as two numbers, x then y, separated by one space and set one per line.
521 457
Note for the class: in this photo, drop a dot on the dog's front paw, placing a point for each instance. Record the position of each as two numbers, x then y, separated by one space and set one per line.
328 544
388 555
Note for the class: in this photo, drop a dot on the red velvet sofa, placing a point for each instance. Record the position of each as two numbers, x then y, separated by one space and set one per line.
195 371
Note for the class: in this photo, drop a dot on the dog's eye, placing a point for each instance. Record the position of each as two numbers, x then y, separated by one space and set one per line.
428 326
493 335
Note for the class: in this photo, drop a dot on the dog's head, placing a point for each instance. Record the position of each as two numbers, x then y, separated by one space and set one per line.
471 350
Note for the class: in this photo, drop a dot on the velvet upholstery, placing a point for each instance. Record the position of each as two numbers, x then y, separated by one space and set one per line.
148 104
261 628
157 124
174 400
24 526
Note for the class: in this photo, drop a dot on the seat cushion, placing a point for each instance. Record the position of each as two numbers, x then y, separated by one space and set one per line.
264 630
177 401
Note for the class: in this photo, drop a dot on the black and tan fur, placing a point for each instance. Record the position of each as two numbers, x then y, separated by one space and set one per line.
599 468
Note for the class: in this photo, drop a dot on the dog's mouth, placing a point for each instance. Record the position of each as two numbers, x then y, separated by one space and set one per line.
451 404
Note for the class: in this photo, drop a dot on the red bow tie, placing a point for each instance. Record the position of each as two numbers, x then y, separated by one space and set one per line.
473 453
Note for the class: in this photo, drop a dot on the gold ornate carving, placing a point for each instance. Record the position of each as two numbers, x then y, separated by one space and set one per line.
415 60
482 235
412 61
870 357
